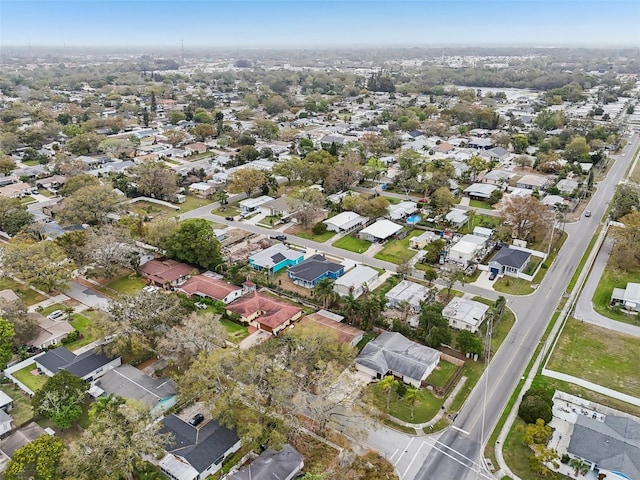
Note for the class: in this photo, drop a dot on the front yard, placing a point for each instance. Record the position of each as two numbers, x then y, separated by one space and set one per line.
442 374
352 244
323 237
613 278
425 408
513 286
28 296
397 251
126 285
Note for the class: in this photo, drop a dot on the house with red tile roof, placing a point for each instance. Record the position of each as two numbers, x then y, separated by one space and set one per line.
209 287
165 273
265 312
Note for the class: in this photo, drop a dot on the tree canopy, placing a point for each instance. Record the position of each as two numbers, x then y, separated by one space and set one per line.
60 399
194 242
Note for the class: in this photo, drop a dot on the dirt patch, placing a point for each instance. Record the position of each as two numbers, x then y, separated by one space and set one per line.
284 282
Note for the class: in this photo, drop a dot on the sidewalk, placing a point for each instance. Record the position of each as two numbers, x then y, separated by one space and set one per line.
60 298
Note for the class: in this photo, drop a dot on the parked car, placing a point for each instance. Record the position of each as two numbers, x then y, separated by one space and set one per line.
196 419
587 213
280 237
493 275
56 315
230 219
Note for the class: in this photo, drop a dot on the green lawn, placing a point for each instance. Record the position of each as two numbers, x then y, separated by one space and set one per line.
514 286
34 382
386 286
227 211
269 221
480 204
442 374
85 326
598 355
323 237
393 200
558 242
28 296
52 308
235 332
479 220
44 192
22 411
352 244
613 278
127 285
190 203
425 407
397 251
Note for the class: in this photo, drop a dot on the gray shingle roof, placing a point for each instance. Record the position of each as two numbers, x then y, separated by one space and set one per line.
613 444
129 382
201 447
393 352
271 465
314 267
509 257
62 359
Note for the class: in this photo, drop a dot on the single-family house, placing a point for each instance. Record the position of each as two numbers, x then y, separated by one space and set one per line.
355 281
202 189
497 177
345 222
313 269
553 200
612 446
5 422
483 232
16 190
250 205
195 452
465 314
128 382
628 297
567 185
509 261
421 241
402 210
50 332
480 143
391 353
272 465
499 154
332 322
275 258
55 181
379 231
88 365
208 287
165 273
264 312
532 182
480 191
198 147
457 217
17 440
278 207
467 248
6 402
406 291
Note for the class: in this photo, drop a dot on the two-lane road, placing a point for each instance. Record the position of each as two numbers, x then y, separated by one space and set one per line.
459 449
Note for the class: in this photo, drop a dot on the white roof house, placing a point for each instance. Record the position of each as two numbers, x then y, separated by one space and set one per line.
345 222
457 217
380 231
465 314
480 190
628 297
402 209
465 249
482 232
250 204
423 239
355 280
406 291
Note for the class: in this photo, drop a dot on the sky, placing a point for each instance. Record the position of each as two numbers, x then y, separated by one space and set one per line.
328 23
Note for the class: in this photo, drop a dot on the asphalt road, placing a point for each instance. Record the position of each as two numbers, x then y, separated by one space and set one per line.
456 455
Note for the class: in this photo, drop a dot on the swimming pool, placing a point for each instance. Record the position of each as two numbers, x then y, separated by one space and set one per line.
413 219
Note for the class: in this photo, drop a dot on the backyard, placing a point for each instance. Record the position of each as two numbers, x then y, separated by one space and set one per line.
84 325
599 355
22 411
33 382
442 374
126 285
28 296
397 251
352 244
236 333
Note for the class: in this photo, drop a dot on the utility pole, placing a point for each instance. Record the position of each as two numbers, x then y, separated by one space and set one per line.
487 362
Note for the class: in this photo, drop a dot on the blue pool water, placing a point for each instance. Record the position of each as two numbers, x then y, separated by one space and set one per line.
413 219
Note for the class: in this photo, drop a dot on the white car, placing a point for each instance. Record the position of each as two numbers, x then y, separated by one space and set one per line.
151 289
56 315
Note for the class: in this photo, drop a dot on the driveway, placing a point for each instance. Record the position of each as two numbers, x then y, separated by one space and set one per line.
87 296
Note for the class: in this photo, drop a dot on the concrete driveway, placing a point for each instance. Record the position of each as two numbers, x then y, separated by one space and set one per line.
87 296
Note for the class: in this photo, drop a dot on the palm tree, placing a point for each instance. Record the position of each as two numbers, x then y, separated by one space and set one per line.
324 290
579 466
388 384
412 396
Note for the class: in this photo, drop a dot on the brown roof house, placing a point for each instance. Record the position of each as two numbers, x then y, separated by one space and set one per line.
265 313
209 287
166 273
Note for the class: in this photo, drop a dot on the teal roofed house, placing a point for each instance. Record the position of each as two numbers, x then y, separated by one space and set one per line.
275 258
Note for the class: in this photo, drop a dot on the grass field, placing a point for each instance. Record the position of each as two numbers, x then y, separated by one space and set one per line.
127 285
34 382
190 203
425 407
613 278
227 211
352 244
22 411
236 333
598 355
442 374
28 296
514 286
51 308
397 251
85 326
480 204
316 238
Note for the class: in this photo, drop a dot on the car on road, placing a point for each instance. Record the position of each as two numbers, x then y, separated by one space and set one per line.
280 237
493 275
196 419
587 213
230 219
56 315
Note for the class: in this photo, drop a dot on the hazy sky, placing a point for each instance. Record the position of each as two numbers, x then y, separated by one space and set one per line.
321 23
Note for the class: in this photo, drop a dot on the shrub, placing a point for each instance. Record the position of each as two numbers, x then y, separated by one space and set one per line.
319 228
534 407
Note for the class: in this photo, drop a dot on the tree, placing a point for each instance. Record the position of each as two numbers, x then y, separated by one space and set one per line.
537 433
442 200
412 396
580 467
388 385
194 242
520 143
157 233
84 143
24 325
625 200
534 407
370 466
13 215
434 327
37 460
116 147
121 435
7 334
343 176
40 264
275 104
265 129
577 149
626 253
476 165
324 290
204 131
110 249
176 116
527 217
290 168
75 183
155 180
138 322
6 164
196 334
246 180
175 136
60 399
319 165
434 249
523 161
90 205
305 204
541 459
469 342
